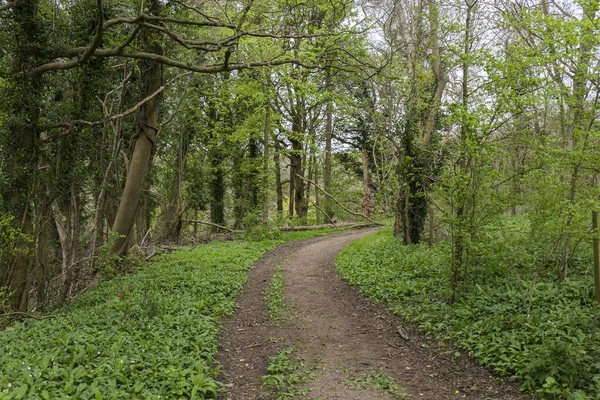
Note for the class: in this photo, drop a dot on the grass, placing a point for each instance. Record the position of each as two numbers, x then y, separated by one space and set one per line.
149 335
548 338
275 299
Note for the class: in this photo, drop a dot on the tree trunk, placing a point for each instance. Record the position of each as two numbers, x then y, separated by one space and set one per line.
327 169
171 226
278 184
217 189
297 184
143 139
368 202
22 150
459 228
265 171
417 161
67 226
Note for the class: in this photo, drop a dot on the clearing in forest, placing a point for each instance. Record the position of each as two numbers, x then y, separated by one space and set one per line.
302 332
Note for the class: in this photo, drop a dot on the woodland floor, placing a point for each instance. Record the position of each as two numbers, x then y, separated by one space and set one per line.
341 334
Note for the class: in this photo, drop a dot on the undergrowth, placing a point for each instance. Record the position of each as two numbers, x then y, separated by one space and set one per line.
379 381
275 299
286 373
544 333
148 335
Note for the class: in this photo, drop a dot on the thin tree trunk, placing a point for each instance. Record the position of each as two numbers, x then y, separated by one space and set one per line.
217 189
265 171
440 75
328 138
278 184
458 234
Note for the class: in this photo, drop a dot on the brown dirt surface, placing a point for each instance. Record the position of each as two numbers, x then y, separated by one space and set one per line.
342 335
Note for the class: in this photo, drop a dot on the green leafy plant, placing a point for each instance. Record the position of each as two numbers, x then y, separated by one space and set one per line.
378 380
276 303
515 318
150 334
286 373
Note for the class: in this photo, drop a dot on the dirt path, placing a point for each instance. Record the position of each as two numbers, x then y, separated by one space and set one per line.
343 336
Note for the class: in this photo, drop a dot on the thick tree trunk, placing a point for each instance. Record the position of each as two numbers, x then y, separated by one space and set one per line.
23 150
296 174
417 164
143 139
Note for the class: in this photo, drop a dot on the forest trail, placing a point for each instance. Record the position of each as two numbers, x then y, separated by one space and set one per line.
351 346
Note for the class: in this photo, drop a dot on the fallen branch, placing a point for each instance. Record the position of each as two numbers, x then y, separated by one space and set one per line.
324 213
340 204
28 315
194 221
344 225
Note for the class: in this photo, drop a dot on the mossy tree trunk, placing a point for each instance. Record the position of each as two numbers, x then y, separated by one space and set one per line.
23 150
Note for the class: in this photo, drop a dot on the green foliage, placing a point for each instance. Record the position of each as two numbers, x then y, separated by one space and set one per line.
285 373
151 334
108 263
10 237
275 299
380 381
515 318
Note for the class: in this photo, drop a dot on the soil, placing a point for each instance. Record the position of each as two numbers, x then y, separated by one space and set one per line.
341 335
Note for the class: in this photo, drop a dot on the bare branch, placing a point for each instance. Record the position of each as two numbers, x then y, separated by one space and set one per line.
194 9
190 22
213 68
183 95
194 221
71 125
331 221
338 203
342 225
130 39
284 36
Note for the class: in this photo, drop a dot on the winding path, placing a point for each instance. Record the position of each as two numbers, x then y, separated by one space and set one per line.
341 333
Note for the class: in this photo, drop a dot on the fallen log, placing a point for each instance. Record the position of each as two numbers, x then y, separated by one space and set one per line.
342 225
195 221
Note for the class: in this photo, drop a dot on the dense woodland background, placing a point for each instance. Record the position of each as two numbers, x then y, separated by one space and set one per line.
130 124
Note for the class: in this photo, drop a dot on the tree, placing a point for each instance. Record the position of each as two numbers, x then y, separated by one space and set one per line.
205 39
